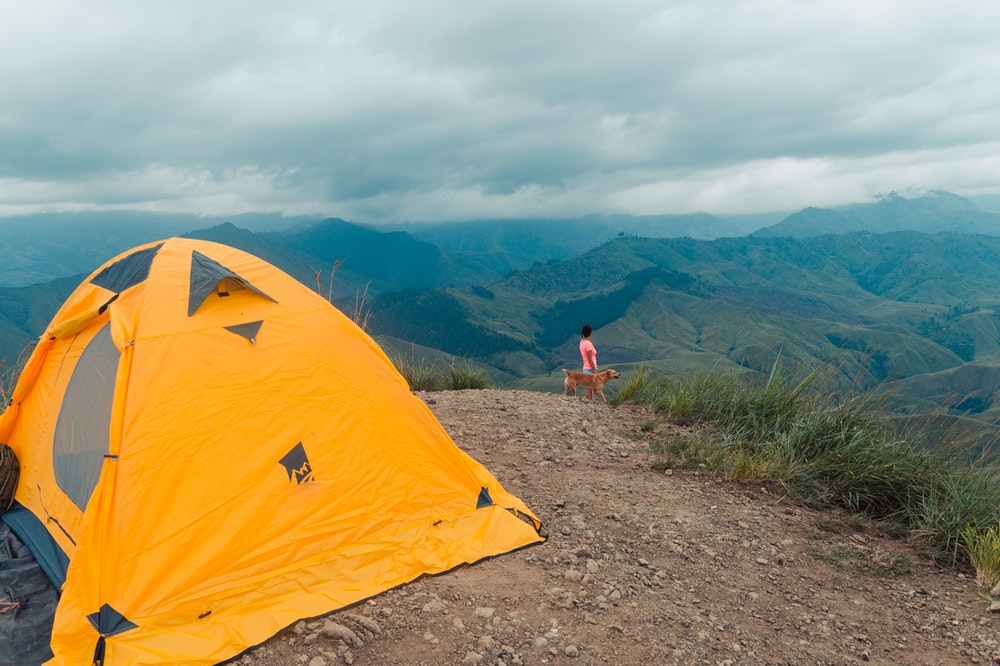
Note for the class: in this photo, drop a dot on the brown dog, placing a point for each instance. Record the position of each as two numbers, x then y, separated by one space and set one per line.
588 380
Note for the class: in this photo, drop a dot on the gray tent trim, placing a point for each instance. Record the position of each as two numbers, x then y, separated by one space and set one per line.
50 557
206 275
248 330
127 271
26 628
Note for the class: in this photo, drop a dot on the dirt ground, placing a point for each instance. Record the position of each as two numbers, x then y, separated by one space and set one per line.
649 567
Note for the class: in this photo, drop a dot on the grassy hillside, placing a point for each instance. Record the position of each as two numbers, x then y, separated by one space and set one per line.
880 308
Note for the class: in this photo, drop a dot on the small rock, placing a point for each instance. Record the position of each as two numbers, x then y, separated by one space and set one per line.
434 606
340 632
995 607
485 612
472 658
317 661
571 651
365 623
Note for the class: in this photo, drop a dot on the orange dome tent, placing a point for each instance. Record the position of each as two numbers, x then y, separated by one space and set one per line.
210 451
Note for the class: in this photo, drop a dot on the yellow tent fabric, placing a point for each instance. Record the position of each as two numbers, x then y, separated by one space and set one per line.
219 452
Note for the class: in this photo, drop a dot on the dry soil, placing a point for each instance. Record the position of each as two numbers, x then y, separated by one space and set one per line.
649 567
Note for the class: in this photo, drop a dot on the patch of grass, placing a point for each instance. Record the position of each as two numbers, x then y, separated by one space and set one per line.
464 375
983 548
962 498
861 563
675 451
456 376
419 375
649 426
829 448
630 385
825 528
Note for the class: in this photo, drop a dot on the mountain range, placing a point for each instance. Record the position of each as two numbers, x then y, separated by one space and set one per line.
901 290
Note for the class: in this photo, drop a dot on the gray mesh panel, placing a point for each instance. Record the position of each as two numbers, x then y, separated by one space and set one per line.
82 431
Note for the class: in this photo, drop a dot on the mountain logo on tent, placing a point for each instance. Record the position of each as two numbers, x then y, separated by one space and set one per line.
296 463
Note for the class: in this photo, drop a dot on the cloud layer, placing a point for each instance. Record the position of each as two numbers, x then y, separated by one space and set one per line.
395 111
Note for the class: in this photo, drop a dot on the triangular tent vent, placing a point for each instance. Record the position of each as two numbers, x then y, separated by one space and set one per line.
208 276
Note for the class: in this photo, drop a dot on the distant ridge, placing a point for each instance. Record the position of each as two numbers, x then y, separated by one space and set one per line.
936 212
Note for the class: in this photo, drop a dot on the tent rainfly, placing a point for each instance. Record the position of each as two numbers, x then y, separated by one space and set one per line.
211 451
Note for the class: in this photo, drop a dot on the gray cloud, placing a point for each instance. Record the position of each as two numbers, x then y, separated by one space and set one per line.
393 111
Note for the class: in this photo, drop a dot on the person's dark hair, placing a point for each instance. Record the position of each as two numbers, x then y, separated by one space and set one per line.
587 330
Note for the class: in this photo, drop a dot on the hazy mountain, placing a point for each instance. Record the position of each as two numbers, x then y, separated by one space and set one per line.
939 211
39 248
911 306
506 245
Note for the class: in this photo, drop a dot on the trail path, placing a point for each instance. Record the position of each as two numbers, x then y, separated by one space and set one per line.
648 567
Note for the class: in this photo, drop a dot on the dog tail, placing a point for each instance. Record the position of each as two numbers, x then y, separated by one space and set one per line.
565 370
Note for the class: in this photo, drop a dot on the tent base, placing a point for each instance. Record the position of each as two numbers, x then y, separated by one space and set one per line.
27 604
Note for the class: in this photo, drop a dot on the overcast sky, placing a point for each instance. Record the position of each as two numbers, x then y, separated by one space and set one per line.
390 111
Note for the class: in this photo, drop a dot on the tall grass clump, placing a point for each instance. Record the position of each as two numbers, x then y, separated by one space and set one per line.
417 373
632 383
464 375
458 375
825 445
966 501
983 548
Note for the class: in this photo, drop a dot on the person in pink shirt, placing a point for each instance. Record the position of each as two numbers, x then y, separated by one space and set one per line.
589 354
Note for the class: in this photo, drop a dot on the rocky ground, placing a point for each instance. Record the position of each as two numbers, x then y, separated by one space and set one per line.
650 567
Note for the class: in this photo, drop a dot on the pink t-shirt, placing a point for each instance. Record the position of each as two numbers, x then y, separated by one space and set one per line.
588 346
